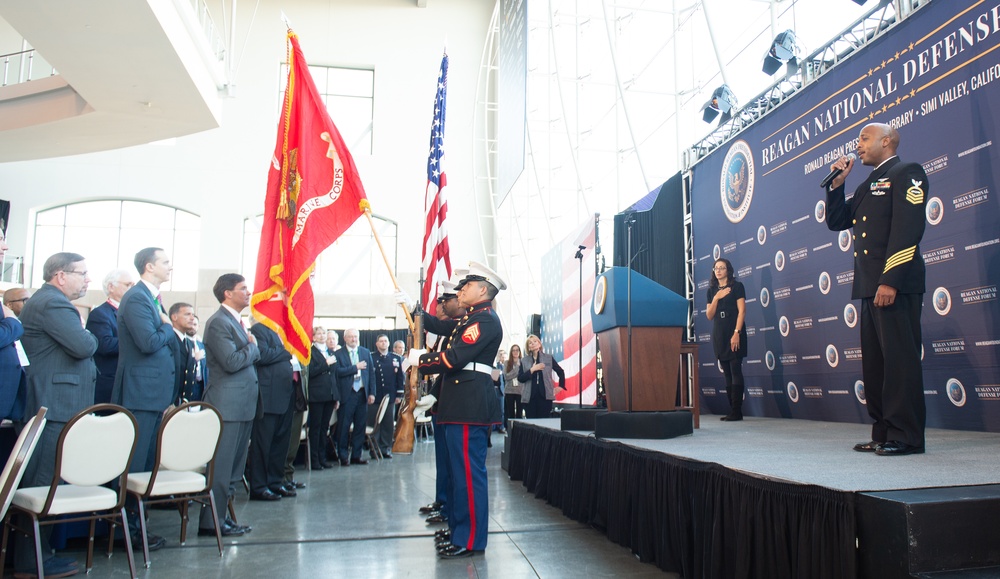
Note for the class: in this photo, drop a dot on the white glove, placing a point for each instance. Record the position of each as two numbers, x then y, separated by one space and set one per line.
404 298
426 402
414 356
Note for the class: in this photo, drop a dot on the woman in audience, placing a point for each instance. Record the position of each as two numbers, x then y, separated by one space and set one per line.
536 376
512 407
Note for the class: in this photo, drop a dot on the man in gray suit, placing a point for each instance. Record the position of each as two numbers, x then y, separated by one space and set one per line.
61 377
232 388
145 380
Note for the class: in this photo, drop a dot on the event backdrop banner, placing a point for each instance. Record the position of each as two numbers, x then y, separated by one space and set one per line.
757 202
561 312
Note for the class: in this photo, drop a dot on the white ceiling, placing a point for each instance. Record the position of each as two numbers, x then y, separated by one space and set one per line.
129 72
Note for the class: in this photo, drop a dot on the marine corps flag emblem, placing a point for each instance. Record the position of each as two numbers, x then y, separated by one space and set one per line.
314 194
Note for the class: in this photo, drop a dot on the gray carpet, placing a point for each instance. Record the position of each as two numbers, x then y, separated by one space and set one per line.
820 453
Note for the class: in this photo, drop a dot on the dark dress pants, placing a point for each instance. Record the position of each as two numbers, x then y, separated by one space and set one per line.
469 508
890 363
353 410
268 448
319 424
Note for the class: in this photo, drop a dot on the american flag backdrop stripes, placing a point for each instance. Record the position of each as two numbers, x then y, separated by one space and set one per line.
436 258
561 312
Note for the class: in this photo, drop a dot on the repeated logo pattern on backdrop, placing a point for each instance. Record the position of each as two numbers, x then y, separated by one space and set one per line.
757 202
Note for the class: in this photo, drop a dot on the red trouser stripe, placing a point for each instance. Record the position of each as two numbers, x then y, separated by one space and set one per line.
468 485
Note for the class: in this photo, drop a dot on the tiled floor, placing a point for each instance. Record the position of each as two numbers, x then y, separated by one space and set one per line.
362 521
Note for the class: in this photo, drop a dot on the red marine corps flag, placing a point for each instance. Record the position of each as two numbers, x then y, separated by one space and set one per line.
314 194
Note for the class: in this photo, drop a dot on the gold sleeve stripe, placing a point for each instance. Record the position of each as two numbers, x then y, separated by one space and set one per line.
915 195
900 257
445 360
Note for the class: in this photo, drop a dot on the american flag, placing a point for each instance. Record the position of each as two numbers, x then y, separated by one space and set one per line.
561 312
436 258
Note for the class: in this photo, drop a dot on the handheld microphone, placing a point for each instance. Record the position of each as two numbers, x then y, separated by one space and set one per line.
836 172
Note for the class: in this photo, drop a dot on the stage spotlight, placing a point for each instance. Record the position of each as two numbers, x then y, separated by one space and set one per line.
722 101
782 50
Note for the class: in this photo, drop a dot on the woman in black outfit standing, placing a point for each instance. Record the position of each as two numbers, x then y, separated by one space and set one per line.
727 310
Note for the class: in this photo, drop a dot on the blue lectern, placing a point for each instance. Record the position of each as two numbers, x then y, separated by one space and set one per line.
659 317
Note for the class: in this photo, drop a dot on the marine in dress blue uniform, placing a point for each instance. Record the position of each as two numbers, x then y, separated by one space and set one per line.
887 214
468 407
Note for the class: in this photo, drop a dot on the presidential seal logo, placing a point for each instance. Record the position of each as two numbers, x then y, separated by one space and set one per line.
761 235
824 283
844 240
832 356
765 297
716 252
736 184
769 360
859 392
793 392
783 326
934 210
600 294
820 212
850 315
942 301
956 392
779 260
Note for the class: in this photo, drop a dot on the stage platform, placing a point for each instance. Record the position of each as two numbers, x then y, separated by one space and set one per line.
775 498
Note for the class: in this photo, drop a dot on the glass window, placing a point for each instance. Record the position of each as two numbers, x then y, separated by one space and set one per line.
349 96
108 234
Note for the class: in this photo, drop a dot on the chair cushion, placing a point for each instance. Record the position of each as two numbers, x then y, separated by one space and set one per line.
168 482
68 499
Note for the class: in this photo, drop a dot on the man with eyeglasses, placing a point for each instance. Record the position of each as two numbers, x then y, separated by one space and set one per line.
15 298
61 377
145 381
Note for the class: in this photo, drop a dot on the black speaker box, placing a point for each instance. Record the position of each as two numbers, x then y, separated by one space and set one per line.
579 418
651 425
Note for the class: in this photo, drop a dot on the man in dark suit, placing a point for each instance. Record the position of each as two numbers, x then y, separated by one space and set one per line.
887 214
182 318
272 425
201 364
232 388
11 372
61 377
354 378
387 374
146 379
103 323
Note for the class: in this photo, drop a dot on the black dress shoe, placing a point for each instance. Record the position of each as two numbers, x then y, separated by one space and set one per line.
345 463
386 454
427 509
327 464
446 533
444 546
265 495
229 521
897 448
316 466
870 446
295 484
156 542
357 461
436 519
225 529
284 492
457 553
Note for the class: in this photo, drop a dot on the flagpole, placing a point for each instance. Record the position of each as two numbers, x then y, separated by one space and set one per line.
368 214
